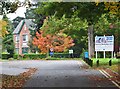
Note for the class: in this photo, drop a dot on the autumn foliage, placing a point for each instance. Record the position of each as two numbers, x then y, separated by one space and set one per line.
58 42
3 29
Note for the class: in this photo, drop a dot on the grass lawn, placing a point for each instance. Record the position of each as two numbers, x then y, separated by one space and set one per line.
105 61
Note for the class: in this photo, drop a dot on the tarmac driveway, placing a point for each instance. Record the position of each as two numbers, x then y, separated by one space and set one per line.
58 73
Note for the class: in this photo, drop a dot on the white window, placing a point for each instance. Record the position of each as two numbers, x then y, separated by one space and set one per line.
25 37
17 38
24 44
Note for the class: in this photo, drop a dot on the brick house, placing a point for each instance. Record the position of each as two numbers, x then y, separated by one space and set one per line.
21 36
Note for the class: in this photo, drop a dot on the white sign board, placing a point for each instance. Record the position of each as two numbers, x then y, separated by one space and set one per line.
70 51
104 43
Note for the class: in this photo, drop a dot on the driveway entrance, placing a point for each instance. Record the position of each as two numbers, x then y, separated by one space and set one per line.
66 73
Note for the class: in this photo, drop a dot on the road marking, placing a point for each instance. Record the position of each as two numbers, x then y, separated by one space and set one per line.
116 84
108 76
103 73
107 73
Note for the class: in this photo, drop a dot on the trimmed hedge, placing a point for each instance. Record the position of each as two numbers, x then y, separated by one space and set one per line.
31 56
6 56
88 61
60 55
66 55
40 56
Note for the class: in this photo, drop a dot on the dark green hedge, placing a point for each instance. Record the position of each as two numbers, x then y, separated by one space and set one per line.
6 56
40 56
31 56
66 55
61 55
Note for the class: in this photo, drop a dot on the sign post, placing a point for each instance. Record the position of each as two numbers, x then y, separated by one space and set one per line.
71 53
96 54
104 54
104 43
112 54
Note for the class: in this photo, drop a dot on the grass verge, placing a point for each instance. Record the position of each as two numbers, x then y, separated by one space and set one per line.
104 63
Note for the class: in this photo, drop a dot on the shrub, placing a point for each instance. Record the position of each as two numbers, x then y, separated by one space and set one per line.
6 56
11 59
66 55
41 56
30 56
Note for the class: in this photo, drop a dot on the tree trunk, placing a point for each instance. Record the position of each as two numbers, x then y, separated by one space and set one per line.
90 42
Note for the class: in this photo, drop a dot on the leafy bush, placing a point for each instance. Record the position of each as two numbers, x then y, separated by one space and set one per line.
61 55
40 56
30 56
6 56
65 55
10 59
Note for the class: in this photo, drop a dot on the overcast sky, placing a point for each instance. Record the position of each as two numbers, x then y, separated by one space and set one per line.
19 12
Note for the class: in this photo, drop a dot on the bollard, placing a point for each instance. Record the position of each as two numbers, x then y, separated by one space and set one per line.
90 62
87 60
110 63
97 63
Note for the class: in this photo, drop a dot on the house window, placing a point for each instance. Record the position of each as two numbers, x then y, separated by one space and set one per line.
25 37
24 50
17 38
24 44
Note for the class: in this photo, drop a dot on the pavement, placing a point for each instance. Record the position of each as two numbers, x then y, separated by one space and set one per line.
58 73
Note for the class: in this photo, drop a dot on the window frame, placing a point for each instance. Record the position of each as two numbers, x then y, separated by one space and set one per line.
17 38
25 37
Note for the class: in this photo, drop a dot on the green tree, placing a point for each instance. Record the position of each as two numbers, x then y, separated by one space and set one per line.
8 43
8 7
108 24
83 10
74 27
3 30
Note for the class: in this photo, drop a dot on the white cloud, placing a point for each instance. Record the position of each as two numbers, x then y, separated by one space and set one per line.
1 17
19 12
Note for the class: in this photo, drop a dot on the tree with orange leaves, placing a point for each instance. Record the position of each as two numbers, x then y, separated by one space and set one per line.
3 29
58 42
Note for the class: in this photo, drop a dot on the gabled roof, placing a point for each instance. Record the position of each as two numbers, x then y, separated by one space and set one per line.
18 19
19 27
28 23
